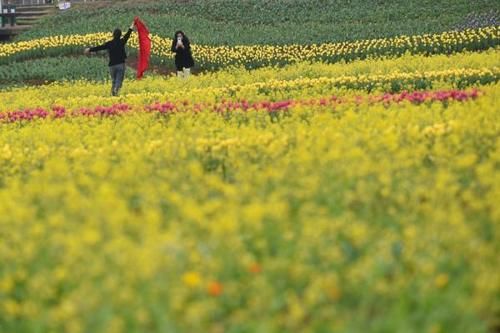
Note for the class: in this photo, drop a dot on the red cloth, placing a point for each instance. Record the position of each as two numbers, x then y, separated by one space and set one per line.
144 47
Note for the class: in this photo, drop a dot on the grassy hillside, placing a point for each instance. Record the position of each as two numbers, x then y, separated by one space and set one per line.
231 22
272 22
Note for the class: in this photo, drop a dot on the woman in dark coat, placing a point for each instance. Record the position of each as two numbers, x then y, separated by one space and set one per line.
183 57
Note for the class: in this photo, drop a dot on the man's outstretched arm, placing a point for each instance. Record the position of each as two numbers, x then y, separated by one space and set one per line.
127 35
96 48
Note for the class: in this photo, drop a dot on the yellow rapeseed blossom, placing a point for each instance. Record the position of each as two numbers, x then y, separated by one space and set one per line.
191 279
299 81
221 56
270 200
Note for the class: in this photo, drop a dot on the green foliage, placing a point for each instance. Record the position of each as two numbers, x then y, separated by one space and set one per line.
56 69
234 22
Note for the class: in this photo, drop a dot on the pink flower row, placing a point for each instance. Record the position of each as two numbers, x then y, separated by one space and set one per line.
61 112
416 97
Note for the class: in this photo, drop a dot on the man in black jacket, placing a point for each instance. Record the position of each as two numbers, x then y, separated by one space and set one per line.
117 56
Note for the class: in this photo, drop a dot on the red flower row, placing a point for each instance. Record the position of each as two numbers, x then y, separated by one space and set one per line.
224 106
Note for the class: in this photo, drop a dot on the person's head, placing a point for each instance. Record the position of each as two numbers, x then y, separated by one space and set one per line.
117 33
179 34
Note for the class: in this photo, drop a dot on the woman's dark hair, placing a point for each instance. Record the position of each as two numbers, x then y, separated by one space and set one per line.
182 33
117 33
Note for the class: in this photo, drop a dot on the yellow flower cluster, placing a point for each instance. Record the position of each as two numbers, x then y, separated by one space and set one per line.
53 42
240 55
262 90
204 223
207 55
300 80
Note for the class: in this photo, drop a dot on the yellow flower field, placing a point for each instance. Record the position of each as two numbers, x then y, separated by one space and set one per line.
221 56
294 81
314 197
198 222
